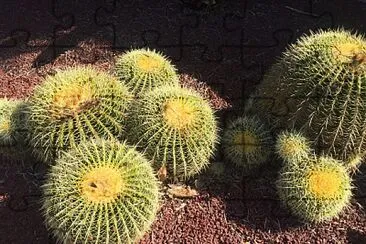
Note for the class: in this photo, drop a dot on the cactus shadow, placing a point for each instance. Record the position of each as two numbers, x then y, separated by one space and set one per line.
354 236
251 200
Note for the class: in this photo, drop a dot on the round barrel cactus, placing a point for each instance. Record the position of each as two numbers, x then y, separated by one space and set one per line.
247 142
73 105
316 189
176 128
318 85
102 191
144 69
292 146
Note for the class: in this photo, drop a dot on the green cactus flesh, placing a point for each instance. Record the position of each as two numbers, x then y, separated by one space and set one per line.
144 69
9 126
72 106
320 81
247 142
176 128
100 192
292 146
315 190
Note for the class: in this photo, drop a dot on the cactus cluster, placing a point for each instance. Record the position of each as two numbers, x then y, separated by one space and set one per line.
73 105
143 69
176 128
320 83
316 189
100 192
98 189
247 142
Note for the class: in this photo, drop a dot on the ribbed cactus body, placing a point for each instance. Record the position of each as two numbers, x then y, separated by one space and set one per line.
72 106
176 128
100 192
143 69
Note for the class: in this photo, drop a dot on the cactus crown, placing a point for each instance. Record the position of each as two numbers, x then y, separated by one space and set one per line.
179 114
102 185
72 99
247 140
327 178
149 63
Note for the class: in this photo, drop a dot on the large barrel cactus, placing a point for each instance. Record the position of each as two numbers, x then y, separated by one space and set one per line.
176 128
319 85
143 69
75 104
315 189
100 192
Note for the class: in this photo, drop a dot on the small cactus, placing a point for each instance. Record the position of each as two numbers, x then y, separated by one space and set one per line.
100 192
75 104
144 69
292 146
247 142
319 85
177 129
315 189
